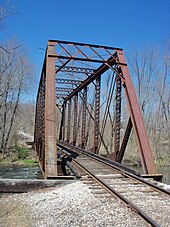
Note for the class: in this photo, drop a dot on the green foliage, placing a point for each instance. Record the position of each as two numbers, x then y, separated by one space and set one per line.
29 162
22 152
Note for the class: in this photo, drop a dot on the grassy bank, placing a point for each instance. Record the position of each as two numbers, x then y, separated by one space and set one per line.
19 155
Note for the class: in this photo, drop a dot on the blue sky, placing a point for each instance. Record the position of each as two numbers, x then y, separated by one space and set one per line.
119 23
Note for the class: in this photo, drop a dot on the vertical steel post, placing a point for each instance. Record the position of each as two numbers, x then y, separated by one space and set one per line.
147 159
50 115
97 114
121 152
83 129
64 121
75 119
118 115
42 121
62 126
68 120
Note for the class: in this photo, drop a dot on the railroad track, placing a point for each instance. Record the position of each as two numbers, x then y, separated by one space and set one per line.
150 202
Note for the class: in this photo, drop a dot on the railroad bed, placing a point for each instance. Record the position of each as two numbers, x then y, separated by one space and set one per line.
107 179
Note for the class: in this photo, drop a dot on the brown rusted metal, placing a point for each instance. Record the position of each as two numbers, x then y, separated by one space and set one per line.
84 44
58 96
74 69
97 114
66 59
68 121
64 89
62 66
121 152
39 134
137 120
118 115
102 69
68 81
75 115
64 121
50 116
62 125
83 129
106 112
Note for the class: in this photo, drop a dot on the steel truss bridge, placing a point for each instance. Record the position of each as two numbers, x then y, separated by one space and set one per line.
86 99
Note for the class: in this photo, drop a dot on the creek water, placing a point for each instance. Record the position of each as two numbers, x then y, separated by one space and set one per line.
25 172
20 172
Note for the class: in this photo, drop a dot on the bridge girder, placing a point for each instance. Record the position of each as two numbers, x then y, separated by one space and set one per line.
64 64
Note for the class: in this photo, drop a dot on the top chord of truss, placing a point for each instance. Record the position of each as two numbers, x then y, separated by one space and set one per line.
73 51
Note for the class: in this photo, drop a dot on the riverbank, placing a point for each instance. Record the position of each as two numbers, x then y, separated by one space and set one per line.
9 162
19 163
14 168
19 155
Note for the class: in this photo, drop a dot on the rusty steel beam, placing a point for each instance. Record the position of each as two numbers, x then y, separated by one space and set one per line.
74 69
68 120
118 115
147 159
50 116
63 65
83 127
41 124
64 121
61 96
39 131
120 154
76 58
97 114
85 44
62 125
39 135
64 89
68 81
75 119
103 68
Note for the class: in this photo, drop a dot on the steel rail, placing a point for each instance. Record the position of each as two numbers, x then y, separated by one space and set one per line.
119 167
116 194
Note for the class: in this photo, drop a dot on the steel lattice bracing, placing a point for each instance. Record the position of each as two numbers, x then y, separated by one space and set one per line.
81 101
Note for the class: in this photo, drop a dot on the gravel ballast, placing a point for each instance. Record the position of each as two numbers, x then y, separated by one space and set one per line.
72 204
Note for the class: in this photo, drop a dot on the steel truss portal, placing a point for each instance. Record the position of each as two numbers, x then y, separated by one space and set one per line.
71 74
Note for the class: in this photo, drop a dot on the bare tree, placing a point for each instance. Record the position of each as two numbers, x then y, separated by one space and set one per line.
16 82
15 79
7 9
150 71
